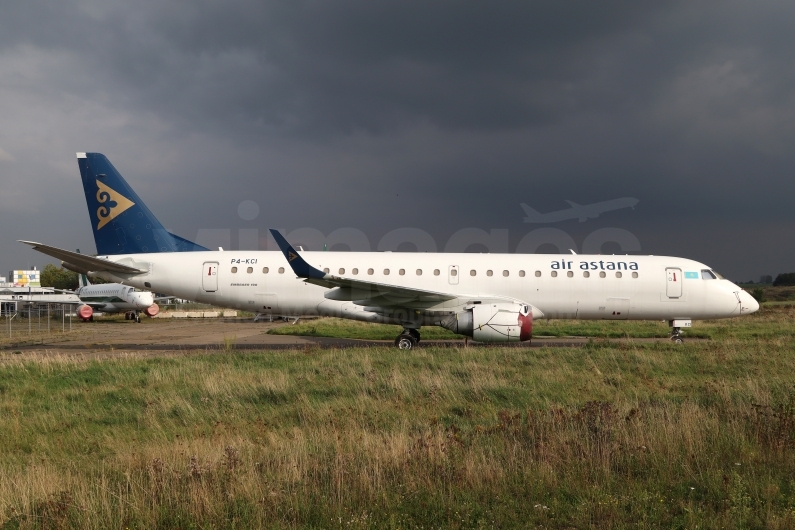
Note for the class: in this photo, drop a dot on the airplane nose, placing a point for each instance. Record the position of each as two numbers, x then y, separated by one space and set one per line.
748 303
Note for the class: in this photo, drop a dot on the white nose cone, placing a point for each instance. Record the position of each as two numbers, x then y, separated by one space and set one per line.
748 303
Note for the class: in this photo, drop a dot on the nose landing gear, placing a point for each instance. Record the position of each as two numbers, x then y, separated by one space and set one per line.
409 338
676 332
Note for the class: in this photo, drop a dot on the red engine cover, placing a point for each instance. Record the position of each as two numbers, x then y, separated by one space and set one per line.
152 310
85 312
525 326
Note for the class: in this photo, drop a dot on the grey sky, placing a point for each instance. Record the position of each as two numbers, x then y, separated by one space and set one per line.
383 115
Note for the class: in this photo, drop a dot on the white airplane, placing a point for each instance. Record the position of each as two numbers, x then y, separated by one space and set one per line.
578 211
114 298
489 297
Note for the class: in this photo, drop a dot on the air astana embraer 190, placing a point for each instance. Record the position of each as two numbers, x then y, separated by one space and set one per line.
489 297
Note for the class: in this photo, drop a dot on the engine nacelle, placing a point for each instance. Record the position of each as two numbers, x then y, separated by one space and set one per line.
502 322
85 312
152 310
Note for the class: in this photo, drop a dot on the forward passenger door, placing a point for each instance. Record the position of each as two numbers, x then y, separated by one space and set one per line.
673 283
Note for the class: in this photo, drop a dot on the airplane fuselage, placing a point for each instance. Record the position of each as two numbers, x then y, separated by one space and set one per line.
556 286
115 298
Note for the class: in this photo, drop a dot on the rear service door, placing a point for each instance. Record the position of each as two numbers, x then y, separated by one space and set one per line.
673 283
210 276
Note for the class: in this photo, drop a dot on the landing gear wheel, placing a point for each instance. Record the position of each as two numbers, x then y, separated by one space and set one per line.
405 341
414 333
676 336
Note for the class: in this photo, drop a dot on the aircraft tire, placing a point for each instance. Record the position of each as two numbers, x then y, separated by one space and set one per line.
414 333
677 339
405 341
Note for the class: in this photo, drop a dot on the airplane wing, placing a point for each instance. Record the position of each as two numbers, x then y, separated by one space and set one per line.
81 260
38 300
573 204
95 305
368 293
371 293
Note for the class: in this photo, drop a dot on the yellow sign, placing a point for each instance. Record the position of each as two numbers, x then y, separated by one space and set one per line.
107 212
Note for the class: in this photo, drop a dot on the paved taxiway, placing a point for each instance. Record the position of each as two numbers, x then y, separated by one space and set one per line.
117 336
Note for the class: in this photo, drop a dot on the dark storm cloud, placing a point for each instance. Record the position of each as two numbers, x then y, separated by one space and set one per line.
389 114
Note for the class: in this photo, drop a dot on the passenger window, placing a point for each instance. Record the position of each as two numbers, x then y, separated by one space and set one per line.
488 273
436 272
538 274
419 272
586 274
602 274
342 271
634 274
554 274
402 272
707 275
370 271
250 270
570 274
386 272
505 273
265 270
453 272
281 270
326 270
355 271
473 272
234 270
521 274
618 275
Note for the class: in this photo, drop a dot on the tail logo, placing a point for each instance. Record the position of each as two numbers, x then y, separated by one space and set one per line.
291 256
112 204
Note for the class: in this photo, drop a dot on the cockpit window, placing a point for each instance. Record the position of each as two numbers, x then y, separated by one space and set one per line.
720 277
707 275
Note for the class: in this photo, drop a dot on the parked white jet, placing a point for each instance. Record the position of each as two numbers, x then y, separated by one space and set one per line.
578 211
114 298
489 297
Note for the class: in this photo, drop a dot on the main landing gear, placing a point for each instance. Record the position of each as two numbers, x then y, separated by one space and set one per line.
132 315
408 339
676 336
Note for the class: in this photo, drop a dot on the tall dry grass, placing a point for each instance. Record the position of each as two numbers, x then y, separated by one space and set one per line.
607 436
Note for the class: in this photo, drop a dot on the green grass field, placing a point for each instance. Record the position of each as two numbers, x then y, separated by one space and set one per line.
610 435
774 318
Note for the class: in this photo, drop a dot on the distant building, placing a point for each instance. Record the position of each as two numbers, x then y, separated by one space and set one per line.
21 278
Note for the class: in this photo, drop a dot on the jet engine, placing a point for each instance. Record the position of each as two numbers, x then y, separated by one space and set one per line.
85 313
501 322
152 310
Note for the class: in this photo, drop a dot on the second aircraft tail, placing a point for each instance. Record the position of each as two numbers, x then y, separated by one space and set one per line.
121 222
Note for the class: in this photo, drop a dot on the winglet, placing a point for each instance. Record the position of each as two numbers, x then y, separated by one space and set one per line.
301 268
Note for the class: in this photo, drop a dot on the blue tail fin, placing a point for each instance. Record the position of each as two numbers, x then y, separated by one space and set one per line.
121 221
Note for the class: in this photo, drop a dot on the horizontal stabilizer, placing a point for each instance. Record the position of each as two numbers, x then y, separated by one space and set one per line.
82 261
